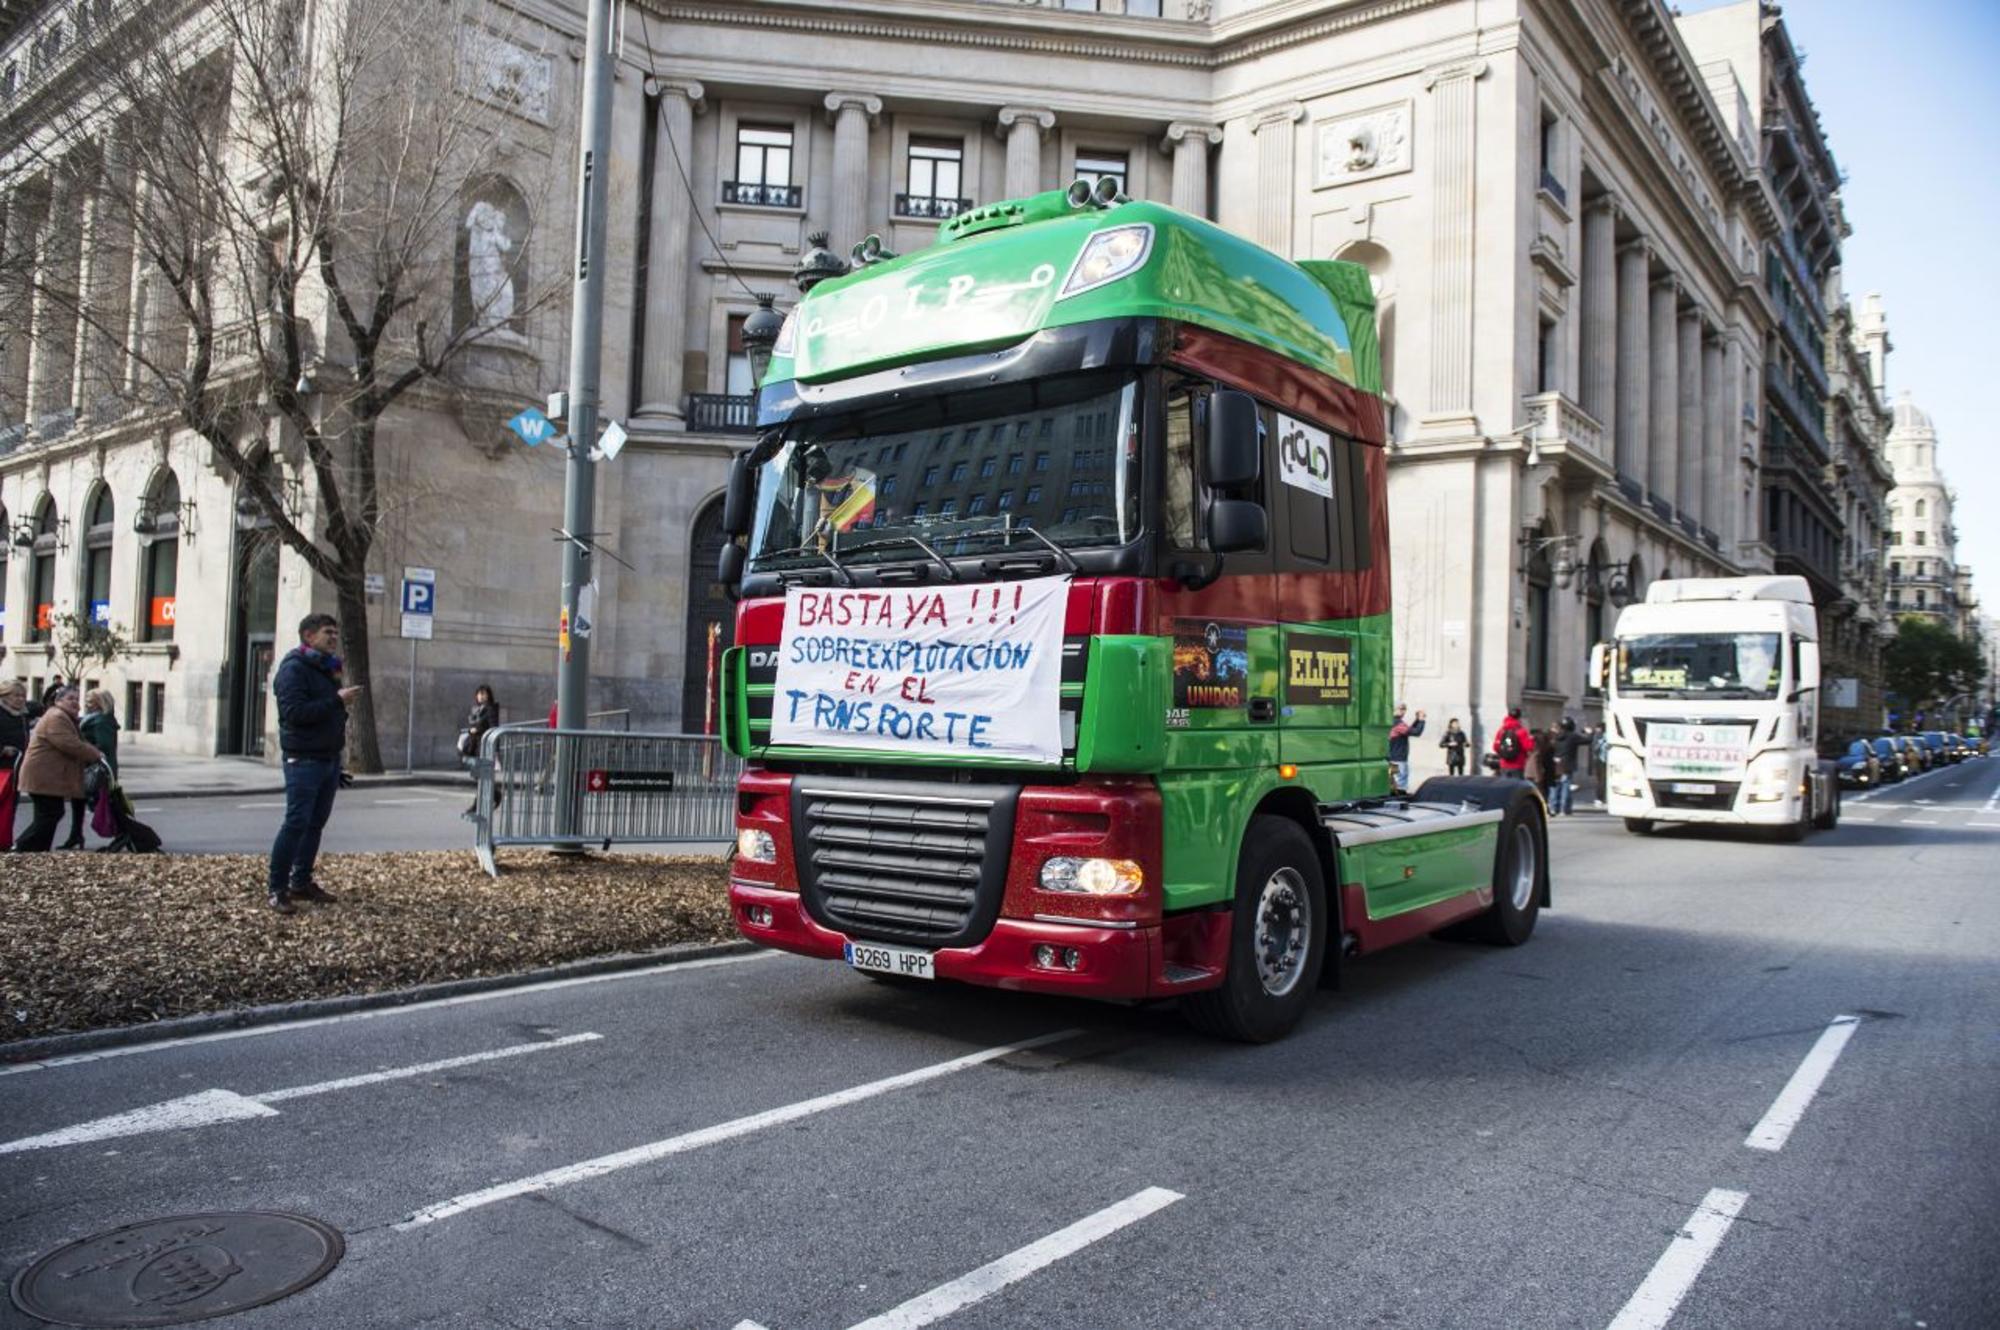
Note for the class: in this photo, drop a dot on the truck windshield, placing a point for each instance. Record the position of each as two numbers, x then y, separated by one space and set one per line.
1711 665
962 472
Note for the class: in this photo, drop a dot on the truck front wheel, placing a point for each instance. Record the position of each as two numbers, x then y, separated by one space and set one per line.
1639 826
1830 819
1277 938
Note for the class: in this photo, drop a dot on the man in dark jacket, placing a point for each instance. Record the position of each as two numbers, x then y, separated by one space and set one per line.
1400 734
312 733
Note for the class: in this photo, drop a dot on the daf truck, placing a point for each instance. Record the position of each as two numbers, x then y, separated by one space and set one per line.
1711 691
1062 656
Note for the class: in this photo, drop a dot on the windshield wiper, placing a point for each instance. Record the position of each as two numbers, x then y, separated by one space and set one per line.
846 579
883 542
1064 559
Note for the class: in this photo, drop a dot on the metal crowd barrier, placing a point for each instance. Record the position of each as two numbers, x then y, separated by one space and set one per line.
539 786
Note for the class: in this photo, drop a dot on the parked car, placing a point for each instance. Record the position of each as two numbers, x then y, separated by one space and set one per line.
1916 756
1854 762
1942 753
1961 745
1889 757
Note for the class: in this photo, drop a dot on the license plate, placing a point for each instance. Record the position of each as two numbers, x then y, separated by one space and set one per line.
905 961
1692 787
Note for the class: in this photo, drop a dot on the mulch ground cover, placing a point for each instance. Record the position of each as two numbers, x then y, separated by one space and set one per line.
95 940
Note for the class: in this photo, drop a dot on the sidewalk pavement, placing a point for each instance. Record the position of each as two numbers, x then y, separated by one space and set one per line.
165 775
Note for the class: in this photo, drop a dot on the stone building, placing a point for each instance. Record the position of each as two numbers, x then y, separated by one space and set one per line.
1924 575
1566 209
1857 625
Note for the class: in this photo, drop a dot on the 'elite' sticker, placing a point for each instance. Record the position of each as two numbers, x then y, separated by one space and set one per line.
1318 670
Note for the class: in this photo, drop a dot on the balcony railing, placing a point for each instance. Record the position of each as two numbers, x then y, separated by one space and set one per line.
930 208
722 413
761 196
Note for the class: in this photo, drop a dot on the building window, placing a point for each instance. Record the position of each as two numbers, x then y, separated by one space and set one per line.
1142 8
156 708
42 572
763 168
1547 353
162 579
1539 582
97 556
1921 506
736 374
1093 164
133 692
1550 157
1920 537
987 466
936 179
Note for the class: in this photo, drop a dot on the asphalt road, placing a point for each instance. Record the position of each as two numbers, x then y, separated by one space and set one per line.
1651 1114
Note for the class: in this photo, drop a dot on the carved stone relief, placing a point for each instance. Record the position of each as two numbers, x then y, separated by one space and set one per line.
507 74
1361 146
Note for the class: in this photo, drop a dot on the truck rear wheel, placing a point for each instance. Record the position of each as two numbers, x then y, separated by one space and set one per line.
1519 866
1277 938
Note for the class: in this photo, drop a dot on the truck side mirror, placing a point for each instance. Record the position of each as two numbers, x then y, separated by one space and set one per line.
1808 666
729 568
1237 526
736 499
1600 665
1235 440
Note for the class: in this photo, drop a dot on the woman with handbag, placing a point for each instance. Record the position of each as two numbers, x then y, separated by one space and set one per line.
52 771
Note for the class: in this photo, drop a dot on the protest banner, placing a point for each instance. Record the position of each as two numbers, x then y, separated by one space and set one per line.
946 672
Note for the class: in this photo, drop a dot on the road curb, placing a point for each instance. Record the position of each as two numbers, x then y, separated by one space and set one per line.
431 778
180 1027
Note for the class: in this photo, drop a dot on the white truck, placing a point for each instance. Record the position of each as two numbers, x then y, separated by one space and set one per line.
1712 704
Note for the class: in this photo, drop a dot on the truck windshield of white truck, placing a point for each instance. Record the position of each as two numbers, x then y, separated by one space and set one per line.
1699 665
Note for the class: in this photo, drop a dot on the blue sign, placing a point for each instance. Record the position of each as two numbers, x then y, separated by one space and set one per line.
419 597
100 613
533 427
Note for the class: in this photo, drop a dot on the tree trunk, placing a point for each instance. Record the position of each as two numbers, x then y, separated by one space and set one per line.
364 752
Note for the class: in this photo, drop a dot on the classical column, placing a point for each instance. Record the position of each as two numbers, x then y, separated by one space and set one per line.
1189 142
1663 459
852 114
23 216
1736 525
623 192
52 313
104 282
1276 132
1634 367
1453 223
664 290
1717 461
1687 485
1598 332
1024 127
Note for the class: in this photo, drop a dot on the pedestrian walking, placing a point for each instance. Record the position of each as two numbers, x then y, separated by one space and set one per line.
1569 746
13 743
485 715
312 733
1455 743
1401 731
52 772
1513 745
100 724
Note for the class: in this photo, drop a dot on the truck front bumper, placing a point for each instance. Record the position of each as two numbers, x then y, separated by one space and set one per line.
1743 813
1119 963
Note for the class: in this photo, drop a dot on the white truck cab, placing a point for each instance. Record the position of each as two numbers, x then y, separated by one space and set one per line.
1712 700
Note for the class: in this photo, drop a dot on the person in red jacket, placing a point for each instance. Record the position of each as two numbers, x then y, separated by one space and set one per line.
1513 744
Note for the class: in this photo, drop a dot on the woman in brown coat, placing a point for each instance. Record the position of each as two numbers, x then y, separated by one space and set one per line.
52 772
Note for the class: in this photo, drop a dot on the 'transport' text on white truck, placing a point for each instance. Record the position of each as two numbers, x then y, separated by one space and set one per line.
1712 689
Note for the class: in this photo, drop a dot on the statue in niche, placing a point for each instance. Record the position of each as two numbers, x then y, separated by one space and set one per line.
488 278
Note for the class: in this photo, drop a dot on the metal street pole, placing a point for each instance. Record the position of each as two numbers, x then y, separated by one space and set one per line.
585 344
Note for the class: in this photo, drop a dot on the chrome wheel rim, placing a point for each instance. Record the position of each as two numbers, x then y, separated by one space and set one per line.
1284 932
1523 885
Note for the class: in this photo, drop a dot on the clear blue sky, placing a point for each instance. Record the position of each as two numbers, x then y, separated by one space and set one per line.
1907 94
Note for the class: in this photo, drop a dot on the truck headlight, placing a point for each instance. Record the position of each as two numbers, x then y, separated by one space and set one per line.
1109 255
1770 780
1092 877
756 846
1625 776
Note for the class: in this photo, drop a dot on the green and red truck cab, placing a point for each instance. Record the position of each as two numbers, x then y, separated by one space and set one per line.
1181 436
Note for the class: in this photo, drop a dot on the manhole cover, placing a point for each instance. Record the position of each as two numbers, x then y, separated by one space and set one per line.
172 1271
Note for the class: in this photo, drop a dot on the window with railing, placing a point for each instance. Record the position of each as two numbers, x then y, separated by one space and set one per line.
1093 165
934 172
763 168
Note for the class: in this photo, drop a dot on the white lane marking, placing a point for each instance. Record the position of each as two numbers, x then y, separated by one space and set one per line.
426 799
1921 821
256 1031
1654 1302
1776 1126
214 1106
279 804
1983 824
723 1131
989 1279
1858 817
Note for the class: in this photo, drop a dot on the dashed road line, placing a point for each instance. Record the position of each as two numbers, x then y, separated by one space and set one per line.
215 1106
1775 1128
1015 1266
1673 1275
1922 821
722 1131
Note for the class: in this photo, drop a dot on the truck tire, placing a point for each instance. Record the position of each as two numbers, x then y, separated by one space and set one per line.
1830 819
1520 870
1639 826
1794 832
1277 938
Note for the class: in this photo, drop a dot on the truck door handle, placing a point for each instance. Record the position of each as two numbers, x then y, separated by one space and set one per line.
1263 708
